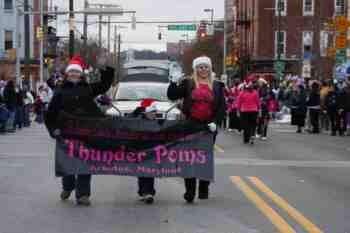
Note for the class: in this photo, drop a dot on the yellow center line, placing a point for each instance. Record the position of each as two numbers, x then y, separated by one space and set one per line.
218 148
295 214
277 220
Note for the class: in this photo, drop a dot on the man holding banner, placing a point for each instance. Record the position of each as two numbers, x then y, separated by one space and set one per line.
203 103
76 96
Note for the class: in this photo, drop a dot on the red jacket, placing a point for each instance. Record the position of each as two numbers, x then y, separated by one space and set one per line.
248 101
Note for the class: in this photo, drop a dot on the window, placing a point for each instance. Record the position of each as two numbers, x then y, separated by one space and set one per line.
324 43
308 7
282 6
8 40
339 7
307 45
8 4
280 43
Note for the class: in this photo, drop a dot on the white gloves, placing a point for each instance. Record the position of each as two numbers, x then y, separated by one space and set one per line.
238 114
56 133
212 127
176 76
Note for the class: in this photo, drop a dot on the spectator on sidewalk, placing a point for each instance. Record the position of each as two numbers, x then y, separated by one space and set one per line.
19 116
298 107
10 101
28 105
314 107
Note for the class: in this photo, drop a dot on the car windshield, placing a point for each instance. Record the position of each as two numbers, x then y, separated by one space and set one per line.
140 92
147 70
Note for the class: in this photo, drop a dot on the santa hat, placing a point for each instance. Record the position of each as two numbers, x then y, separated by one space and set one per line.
203 60
150 105
76 63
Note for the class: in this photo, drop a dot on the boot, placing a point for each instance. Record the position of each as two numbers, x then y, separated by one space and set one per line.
84 201
65 195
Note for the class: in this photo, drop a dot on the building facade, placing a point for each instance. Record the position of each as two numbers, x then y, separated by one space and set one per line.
298 34
9 41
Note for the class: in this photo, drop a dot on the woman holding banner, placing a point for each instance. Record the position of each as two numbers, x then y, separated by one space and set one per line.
76 96
203 102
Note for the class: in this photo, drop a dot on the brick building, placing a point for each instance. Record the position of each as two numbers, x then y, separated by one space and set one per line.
303 34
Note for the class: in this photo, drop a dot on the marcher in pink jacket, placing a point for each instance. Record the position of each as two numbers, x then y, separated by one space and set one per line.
248 104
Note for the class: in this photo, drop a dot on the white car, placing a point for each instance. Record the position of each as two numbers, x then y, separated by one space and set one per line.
130 94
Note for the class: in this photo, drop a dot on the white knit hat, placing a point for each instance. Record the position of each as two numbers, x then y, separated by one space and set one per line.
203 60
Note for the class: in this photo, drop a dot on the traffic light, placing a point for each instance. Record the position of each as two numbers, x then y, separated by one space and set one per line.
159 36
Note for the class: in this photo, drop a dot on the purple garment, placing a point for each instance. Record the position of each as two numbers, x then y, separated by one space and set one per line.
348 119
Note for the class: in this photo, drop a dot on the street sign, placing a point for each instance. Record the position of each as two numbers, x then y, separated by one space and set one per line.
182 27
341 42
210 29
331 52
340 56
228 60
306 71
341 24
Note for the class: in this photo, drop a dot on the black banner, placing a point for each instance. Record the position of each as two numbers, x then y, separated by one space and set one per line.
134 147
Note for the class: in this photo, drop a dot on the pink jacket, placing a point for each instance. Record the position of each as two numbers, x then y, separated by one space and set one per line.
248 101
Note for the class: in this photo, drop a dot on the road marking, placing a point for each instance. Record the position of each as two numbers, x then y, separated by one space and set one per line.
282 163
218 148
277 220
295 214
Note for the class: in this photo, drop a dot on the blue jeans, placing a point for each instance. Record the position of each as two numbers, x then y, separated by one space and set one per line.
11 120
27 115
19 118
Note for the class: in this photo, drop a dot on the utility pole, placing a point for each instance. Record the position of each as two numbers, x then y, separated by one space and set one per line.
118 68
279 9
26 42
71 28
115 45
86 5
42 41
225 43
100 30
109 35
18 48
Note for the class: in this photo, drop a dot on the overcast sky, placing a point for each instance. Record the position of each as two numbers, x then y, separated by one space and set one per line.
145 36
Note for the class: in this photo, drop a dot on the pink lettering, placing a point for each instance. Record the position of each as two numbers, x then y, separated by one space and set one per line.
201 157
172 156
84 153
131 157
161 151
71 147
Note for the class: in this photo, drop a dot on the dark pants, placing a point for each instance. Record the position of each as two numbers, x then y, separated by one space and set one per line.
27 108
333 119
262 126
248 120
314 119
234 121
146 186
341 122
191 185
19 117
81 184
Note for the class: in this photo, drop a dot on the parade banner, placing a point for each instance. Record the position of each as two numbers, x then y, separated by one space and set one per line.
134 147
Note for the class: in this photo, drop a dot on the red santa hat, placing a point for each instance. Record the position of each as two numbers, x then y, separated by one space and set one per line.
76 63
150 105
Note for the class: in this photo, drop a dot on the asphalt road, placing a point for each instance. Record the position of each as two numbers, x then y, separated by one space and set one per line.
290 183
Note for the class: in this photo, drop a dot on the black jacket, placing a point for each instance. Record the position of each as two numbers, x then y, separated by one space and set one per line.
299 103
184 91
331 101
10 97
77 99
344 100
314 99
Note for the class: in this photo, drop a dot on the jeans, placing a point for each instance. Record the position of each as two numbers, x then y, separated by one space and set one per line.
81 184
11 120
19 118
27 121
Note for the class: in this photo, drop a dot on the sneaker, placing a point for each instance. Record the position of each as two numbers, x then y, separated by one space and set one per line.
84 201
230 130
65 195
264 138
189 198
149 199
142 198
257 136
